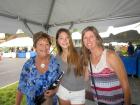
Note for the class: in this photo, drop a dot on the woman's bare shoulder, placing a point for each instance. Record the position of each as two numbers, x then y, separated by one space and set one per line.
112 56
111 53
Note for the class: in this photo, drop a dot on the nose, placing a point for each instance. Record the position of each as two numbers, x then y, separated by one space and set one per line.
88 39
65 39
45 46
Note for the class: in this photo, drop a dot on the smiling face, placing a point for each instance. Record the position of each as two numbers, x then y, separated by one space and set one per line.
42 47
63 40
89 40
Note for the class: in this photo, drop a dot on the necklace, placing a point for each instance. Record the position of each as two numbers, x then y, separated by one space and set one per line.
42 65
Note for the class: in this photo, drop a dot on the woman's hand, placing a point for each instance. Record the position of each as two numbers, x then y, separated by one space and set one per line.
49 93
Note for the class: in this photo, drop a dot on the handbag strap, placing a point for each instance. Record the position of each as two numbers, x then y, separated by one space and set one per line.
93 80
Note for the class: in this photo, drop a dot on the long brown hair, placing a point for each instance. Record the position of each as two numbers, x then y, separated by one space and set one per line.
73 58
85 51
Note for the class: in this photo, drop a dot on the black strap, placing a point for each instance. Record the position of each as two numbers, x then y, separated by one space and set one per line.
92 79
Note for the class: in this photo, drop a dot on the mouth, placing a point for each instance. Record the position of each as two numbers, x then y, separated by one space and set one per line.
44 51
65 44
89 44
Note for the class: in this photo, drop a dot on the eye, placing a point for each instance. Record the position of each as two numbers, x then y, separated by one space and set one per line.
84 38
40 44
60 38
47 44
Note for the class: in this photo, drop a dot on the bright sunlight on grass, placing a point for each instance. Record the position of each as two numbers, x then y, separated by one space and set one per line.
8 94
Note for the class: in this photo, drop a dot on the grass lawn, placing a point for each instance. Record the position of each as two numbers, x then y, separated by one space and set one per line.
8 94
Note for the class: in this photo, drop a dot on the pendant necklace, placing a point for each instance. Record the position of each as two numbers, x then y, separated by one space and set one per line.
42 65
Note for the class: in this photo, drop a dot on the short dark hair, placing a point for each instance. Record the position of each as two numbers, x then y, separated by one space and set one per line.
41 35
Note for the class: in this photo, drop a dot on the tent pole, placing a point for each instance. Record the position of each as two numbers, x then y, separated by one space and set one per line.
26 25
71 25
49 16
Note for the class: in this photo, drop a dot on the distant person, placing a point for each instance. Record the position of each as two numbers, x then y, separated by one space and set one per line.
111 47
38 73
130 49
137 48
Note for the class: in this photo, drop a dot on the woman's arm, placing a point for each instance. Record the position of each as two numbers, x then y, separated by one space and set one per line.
115 62
21 84
86 74
19 96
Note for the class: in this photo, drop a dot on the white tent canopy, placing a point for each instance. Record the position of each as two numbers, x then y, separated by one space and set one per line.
36 15
18 42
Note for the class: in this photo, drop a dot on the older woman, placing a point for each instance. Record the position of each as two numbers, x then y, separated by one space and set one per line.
38 73
109 80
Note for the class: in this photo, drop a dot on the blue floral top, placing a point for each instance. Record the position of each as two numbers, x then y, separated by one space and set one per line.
32 83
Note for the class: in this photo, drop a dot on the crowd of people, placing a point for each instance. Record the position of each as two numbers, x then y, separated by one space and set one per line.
103 67
129 49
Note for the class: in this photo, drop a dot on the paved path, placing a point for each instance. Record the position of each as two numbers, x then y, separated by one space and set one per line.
10 69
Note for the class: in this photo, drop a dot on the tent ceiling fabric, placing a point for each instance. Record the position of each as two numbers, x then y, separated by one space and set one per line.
38 15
